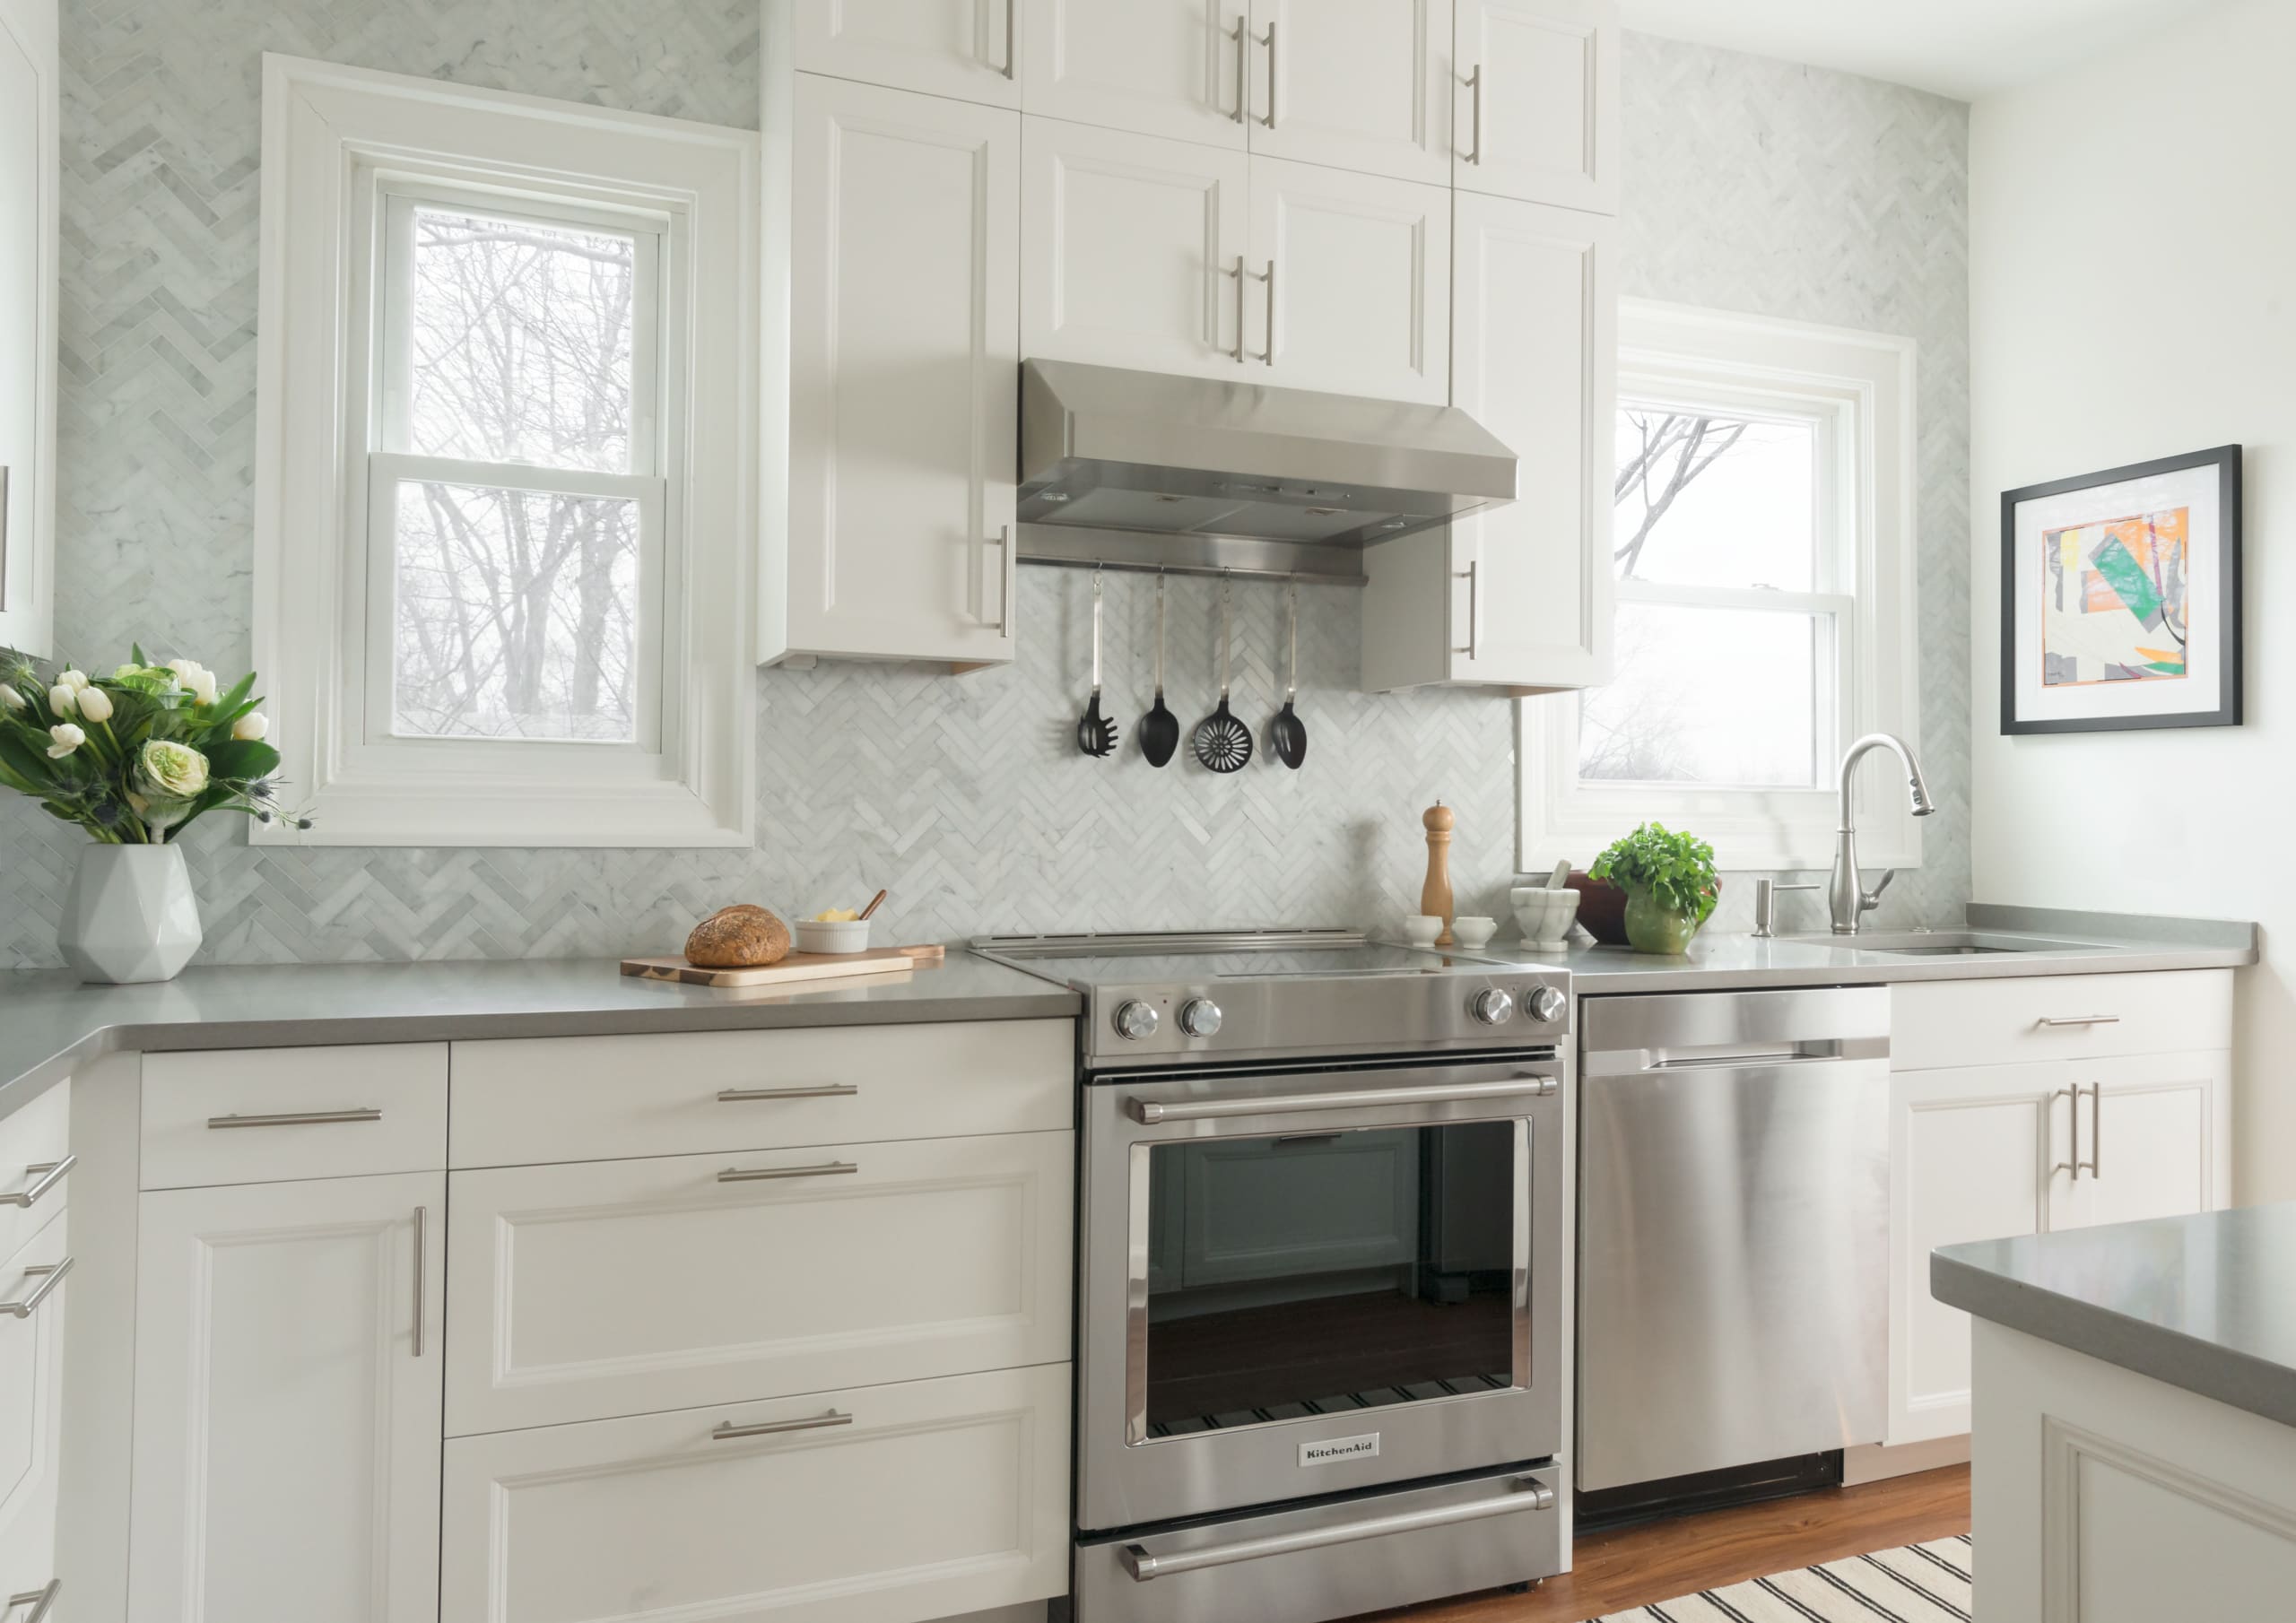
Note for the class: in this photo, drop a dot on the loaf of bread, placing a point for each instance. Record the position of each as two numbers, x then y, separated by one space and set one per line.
739 937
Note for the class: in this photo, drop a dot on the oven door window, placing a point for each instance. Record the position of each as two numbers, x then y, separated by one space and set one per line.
1316 1273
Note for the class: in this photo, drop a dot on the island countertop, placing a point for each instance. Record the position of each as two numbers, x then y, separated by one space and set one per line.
50 1024
2206 1302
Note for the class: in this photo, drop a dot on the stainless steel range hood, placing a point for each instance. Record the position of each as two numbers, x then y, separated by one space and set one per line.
1104 449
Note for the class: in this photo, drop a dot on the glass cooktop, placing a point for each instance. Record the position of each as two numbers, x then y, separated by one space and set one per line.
1083 961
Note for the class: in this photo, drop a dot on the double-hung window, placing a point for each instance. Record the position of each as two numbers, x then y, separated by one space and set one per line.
506 504
1761 543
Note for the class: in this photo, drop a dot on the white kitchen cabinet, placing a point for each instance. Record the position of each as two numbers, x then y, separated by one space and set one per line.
29 176
1350 283
966 48
1538 115
904 383
35 1280
1357 85
1986 1151
1518 595
288 1390
881 1504
1174 68
1132 250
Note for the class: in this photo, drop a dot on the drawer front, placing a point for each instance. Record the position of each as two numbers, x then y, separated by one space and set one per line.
268 1114
33 1143
2053 1016
31 1368
528 1101
583 1291
921 1500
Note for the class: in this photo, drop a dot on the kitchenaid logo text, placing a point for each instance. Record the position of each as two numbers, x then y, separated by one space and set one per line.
1340 1448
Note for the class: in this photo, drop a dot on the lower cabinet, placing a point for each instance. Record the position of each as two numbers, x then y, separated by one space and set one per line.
287 1402
876 1505
1991 1151
32 1402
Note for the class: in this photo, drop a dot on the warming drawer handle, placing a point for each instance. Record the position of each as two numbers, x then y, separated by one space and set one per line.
1526 1493
1150 1112
48 1174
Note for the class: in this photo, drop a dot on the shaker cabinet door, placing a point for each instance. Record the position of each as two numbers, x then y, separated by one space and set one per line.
1357 85
1132 250
2154 1140
904 376
1538 101
1177 68
966 48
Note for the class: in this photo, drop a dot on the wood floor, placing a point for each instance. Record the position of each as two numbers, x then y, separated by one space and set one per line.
1632 1567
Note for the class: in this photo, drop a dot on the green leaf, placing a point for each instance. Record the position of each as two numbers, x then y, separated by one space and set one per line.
242 757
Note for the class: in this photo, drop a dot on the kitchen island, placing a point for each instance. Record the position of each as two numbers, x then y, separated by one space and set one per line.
2134 1442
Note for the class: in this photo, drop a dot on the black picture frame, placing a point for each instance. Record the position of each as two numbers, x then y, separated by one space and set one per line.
2226 459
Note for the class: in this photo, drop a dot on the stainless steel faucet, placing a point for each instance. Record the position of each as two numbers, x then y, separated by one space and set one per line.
1847 895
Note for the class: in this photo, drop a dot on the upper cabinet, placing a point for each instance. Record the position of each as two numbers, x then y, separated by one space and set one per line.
29 171
1538 101
1357 84
1182 69
965 49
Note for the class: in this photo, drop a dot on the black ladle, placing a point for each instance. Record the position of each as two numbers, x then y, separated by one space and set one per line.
1159 729
1289 733
1223 744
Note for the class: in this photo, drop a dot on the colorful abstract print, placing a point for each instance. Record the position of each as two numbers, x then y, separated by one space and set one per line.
2114 604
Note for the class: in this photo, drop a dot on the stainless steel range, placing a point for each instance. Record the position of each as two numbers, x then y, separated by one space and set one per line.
1322 1256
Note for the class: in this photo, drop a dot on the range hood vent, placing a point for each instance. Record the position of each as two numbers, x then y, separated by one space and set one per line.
1105 448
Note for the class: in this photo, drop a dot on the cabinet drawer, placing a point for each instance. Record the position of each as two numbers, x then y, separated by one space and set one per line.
2050 1017
583 1291
922 1500
597 1097
37 1136
268 1114
31 1367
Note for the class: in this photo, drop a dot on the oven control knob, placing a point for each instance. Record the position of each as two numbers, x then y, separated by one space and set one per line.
1135 1020
1546 1005
1493 1007
1200 1017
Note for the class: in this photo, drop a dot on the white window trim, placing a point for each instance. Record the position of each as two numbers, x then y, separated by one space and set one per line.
329 133
1866 381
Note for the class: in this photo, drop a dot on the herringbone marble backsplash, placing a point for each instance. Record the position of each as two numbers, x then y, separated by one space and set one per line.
1751 185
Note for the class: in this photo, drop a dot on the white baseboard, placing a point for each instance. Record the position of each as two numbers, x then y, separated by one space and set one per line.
1875 1461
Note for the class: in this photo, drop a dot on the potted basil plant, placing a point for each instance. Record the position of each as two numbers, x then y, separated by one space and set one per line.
1670 885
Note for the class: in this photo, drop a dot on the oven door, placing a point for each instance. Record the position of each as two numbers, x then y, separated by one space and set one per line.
1298 1283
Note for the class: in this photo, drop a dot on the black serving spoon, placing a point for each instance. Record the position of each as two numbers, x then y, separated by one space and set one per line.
1223 744
1288 733
1095 734
1159 729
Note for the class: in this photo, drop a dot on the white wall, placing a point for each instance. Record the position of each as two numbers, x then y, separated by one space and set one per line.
2133 295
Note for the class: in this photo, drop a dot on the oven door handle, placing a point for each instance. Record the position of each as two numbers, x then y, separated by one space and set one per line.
1150 1112
1525 1493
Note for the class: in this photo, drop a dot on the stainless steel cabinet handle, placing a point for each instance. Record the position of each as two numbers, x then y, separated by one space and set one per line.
827 1090
1012 58
1528 1494
1474 88
1241 278
420 1263
1150 1112
2073 1165
52 1275
298 1119
1004 539
47 1175
2078 1019
1268 40
751 1174
1267 354
39 1599
1473 576
2096 1128
725 1432
1243 71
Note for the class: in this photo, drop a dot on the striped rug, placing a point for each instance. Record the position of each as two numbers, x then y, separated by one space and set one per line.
1919 1583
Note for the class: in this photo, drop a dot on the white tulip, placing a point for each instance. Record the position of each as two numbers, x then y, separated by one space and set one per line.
95 704
202 683
74 679
9 700
62 700
184 668
64 738
251 728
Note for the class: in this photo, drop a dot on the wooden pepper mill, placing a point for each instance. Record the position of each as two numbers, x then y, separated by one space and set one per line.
1435 895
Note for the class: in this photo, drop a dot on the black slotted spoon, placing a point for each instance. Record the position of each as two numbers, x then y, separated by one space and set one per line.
1159 729
1095 732
1223 744
1288 733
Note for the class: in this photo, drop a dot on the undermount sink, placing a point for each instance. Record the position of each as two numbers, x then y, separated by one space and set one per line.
1942 943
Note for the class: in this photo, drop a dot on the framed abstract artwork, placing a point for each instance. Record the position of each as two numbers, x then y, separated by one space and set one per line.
2121 598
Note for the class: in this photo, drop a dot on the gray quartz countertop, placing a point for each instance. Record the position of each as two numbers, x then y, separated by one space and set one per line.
2207 1302
50 1023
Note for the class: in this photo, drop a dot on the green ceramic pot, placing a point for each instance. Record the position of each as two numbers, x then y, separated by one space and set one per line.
1651 927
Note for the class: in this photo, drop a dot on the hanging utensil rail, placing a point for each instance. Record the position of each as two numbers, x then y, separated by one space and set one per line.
1139 552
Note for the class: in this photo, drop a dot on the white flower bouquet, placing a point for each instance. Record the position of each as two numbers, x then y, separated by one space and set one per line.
134 757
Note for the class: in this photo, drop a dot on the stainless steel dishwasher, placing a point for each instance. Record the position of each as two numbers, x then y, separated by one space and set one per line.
1733 1229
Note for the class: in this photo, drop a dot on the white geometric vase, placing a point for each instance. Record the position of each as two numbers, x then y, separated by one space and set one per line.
129 914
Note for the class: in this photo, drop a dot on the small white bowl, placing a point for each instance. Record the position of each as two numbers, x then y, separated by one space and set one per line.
1421 929
832 935
1545 915
1473 931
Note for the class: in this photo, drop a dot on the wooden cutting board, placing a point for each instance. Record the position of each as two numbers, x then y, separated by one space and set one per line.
795 969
